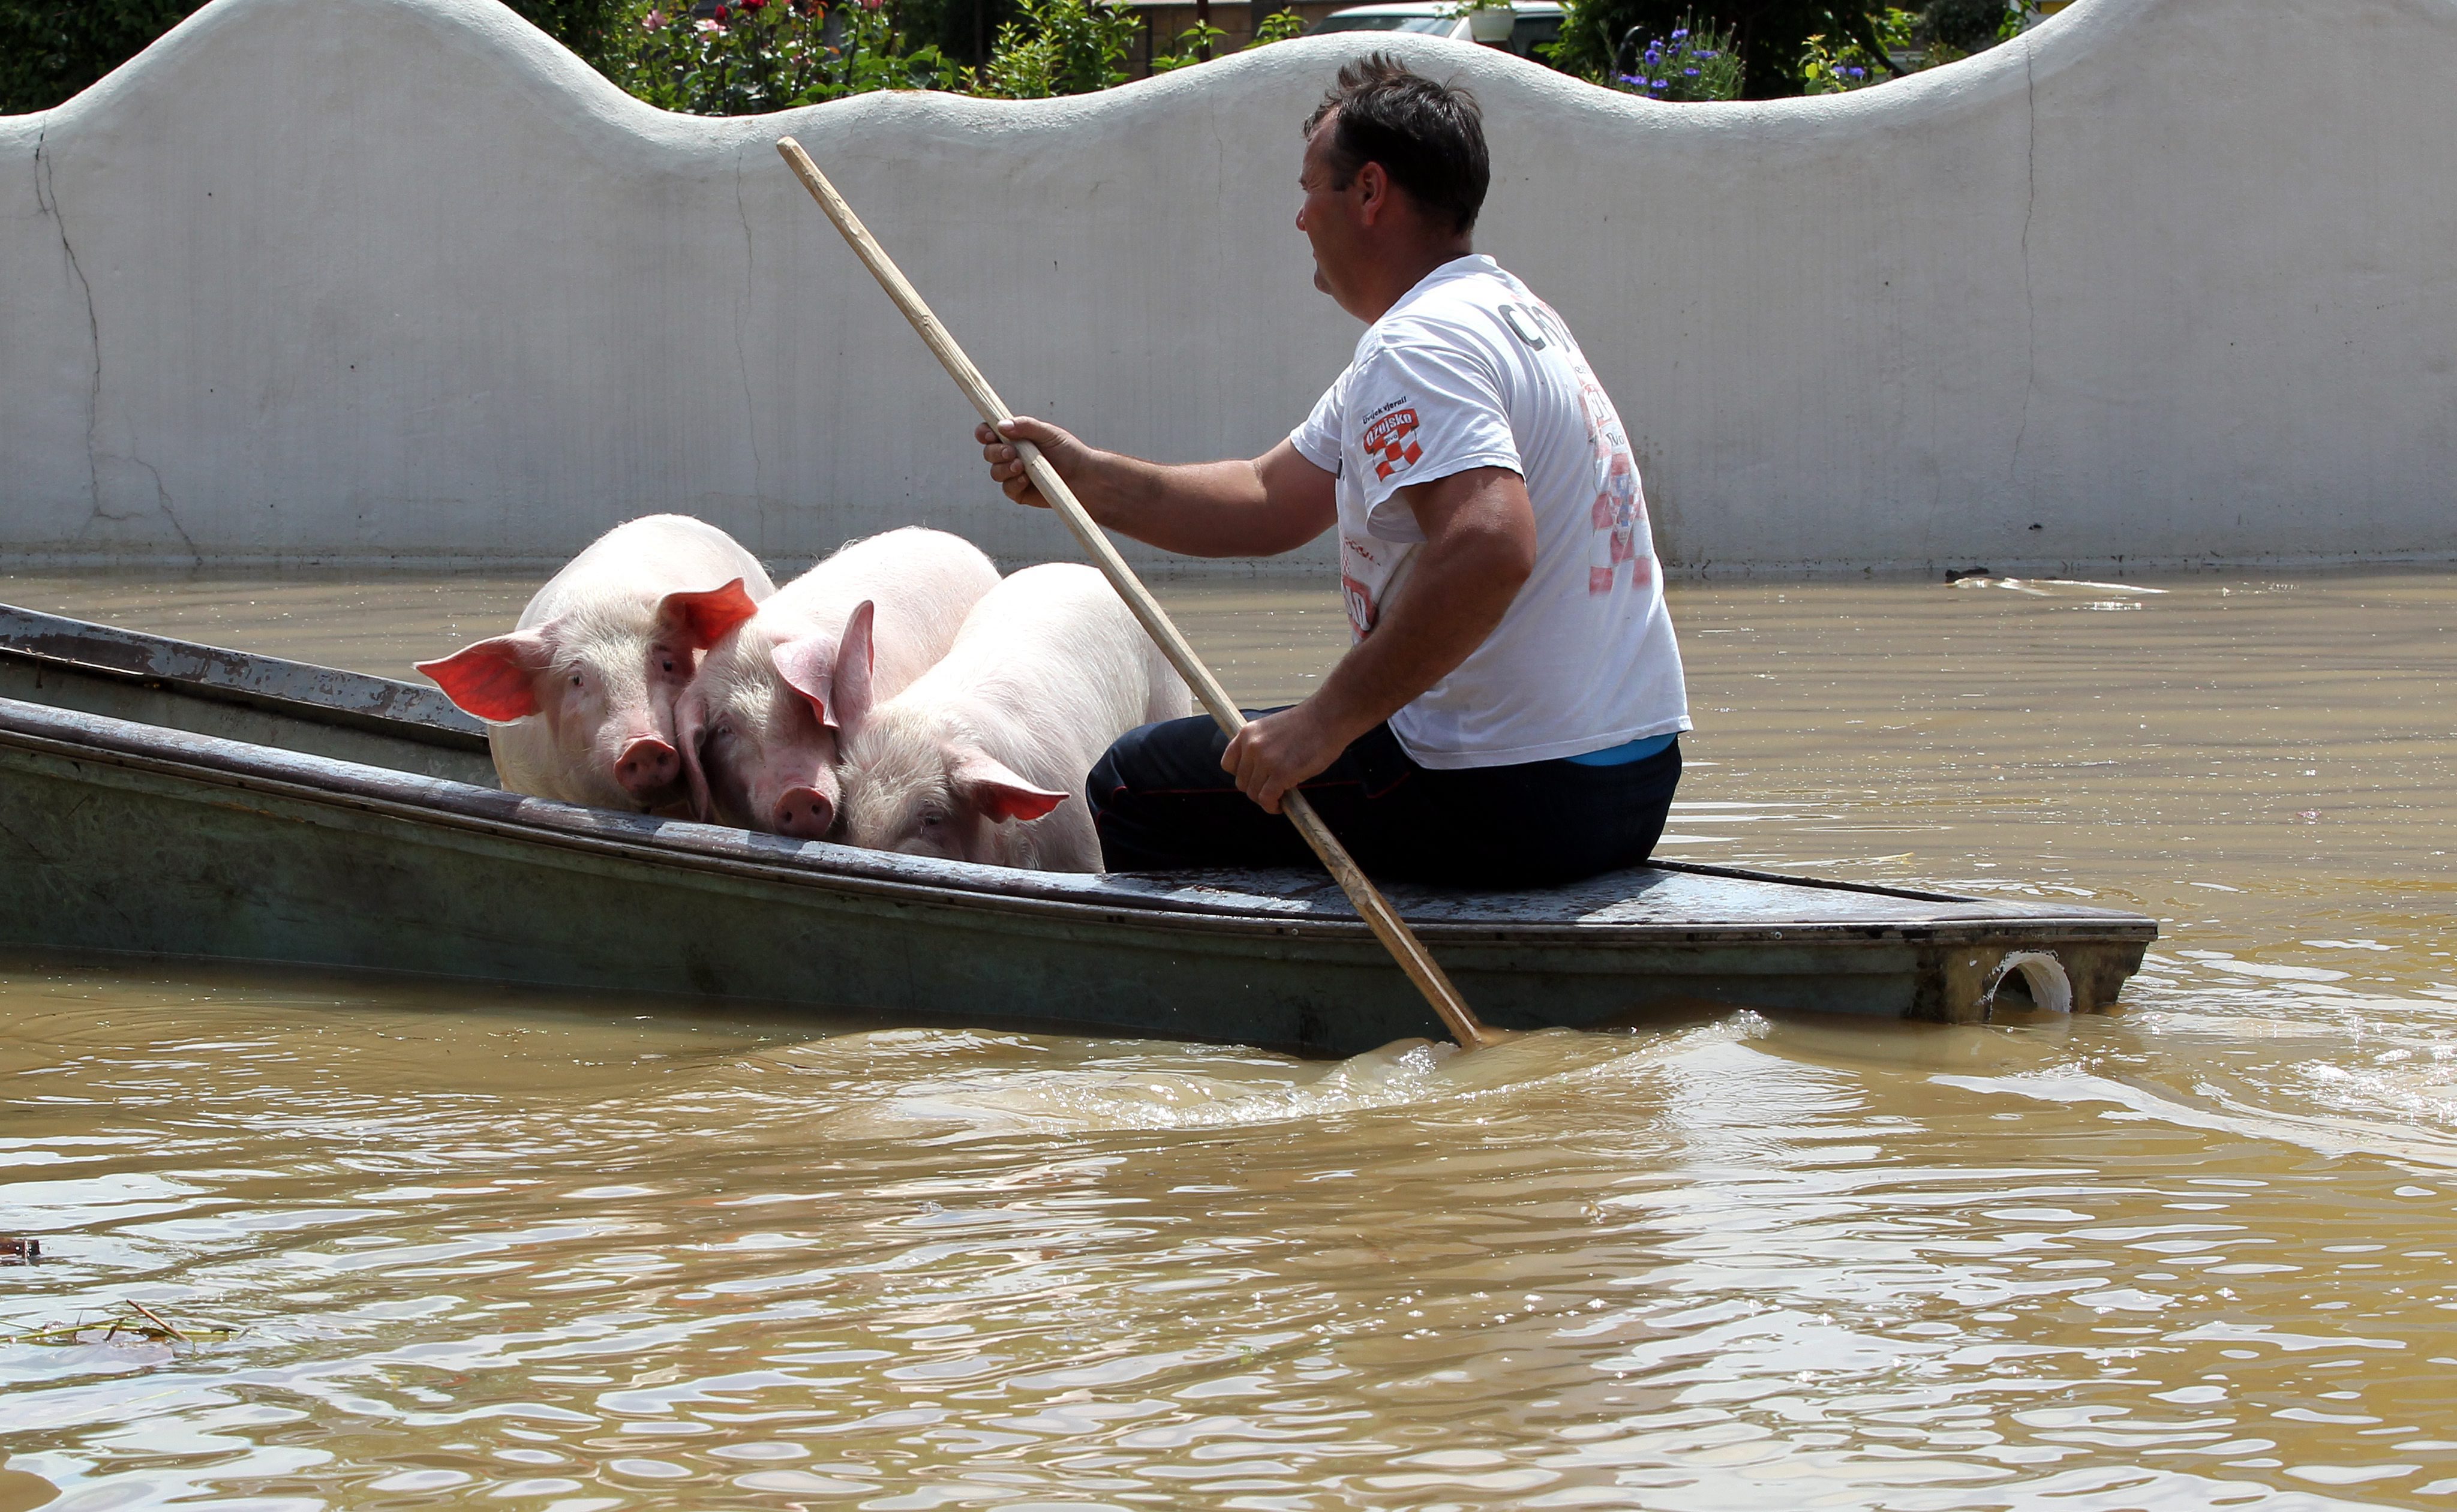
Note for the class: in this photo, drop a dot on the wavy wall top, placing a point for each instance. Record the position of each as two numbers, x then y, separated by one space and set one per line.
2162 280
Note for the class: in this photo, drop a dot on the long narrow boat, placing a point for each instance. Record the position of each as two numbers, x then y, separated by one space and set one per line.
167 799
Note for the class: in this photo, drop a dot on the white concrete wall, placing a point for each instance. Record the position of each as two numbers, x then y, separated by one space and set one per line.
2164 282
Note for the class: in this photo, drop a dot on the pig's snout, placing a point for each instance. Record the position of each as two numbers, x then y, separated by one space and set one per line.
806 814
648 766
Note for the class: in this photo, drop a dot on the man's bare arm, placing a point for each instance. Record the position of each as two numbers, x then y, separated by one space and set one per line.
1480 549
1277 502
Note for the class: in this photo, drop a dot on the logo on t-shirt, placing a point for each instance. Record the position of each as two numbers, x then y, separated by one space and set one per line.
1363 613
1614 518
1388 435
1619 514
1356 580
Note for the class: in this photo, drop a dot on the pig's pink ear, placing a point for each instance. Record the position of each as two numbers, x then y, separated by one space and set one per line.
855 655
808 667
996 792
700 620
494 679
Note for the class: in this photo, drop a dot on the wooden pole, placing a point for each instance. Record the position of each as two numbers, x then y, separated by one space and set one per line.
1370 905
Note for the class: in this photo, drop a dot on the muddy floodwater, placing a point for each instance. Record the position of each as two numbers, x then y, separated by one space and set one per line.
483 1249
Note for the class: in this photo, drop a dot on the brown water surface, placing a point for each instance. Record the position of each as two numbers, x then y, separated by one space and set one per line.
505 1249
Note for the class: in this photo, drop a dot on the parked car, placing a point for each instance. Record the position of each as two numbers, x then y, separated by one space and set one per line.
1536 21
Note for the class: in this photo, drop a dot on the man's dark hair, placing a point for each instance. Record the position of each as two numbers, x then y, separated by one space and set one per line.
1428 137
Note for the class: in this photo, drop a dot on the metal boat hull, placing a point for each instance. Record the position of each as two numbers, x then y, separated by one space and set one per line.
138 838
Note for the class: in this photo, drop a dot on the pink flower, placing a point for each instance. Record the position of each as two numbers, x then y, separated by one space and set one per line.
653 20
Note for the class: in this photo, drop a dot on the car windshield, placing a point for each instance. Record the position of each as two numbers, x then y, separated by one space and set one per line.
1384 23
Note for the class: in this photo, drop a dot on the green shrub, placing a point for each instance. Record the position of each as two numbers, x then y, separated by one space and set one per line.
759 55
1060 47
51 49
1278 26
963 29
1194 45
1774 36
1965 27
1913 41
1693 63
1827 68
584 26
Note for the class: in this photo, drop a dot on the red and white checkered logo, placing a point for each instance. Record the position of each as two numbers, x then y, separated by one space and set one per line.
1390 436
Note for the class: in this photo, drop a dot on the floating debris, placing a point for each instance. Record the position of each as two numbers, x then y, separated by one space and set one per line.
20 1251
130 1319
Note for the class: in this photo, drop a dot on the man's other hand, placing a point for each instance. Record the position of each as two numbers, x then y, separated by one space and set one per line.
1277 751
1064 451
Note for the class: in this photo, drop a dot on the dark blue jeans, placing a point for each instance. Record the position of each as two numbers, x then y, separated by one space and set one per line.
1162 803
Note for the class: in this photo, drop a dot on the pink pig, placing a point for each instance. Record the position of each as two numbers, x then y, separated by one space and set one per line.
976 761
759 725
579 699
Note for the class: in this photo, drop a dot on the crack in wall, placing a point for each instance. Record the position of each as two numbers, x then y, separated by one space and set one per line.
162 506
2030 297
47 201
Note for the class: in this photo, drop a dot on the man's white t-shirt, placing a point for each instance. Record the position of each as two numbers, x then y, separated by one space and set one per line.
1471 370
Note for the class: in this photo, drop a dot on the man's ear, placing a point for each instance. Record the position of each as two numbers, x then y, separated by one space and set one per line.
1372 192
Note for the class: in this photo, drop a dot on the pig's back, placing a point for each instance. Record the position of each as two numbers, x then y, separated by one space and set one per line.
646 559
924 583
1055 648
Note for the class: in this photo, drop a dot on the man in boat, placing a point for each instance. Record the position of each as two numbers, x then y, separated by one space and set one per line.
1509 710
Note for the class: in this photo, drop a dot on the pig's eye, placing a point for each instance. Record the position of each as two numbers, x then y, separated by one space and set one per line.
576 679
932 818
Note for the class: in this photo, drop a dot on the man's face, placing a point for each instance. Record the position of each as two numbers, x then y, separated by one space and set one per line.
1329 216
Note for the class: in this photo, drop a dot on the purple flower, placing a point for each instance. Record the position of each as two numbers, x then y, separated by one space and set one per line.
1678 34
1688 74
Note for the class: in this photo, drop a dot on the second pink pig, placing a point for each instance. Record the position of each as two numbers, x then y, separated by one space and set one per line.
980 759
759 725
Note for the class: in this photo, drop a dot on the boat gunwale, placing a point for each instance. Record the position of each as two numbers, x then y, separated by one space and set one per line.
220 674
442 803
